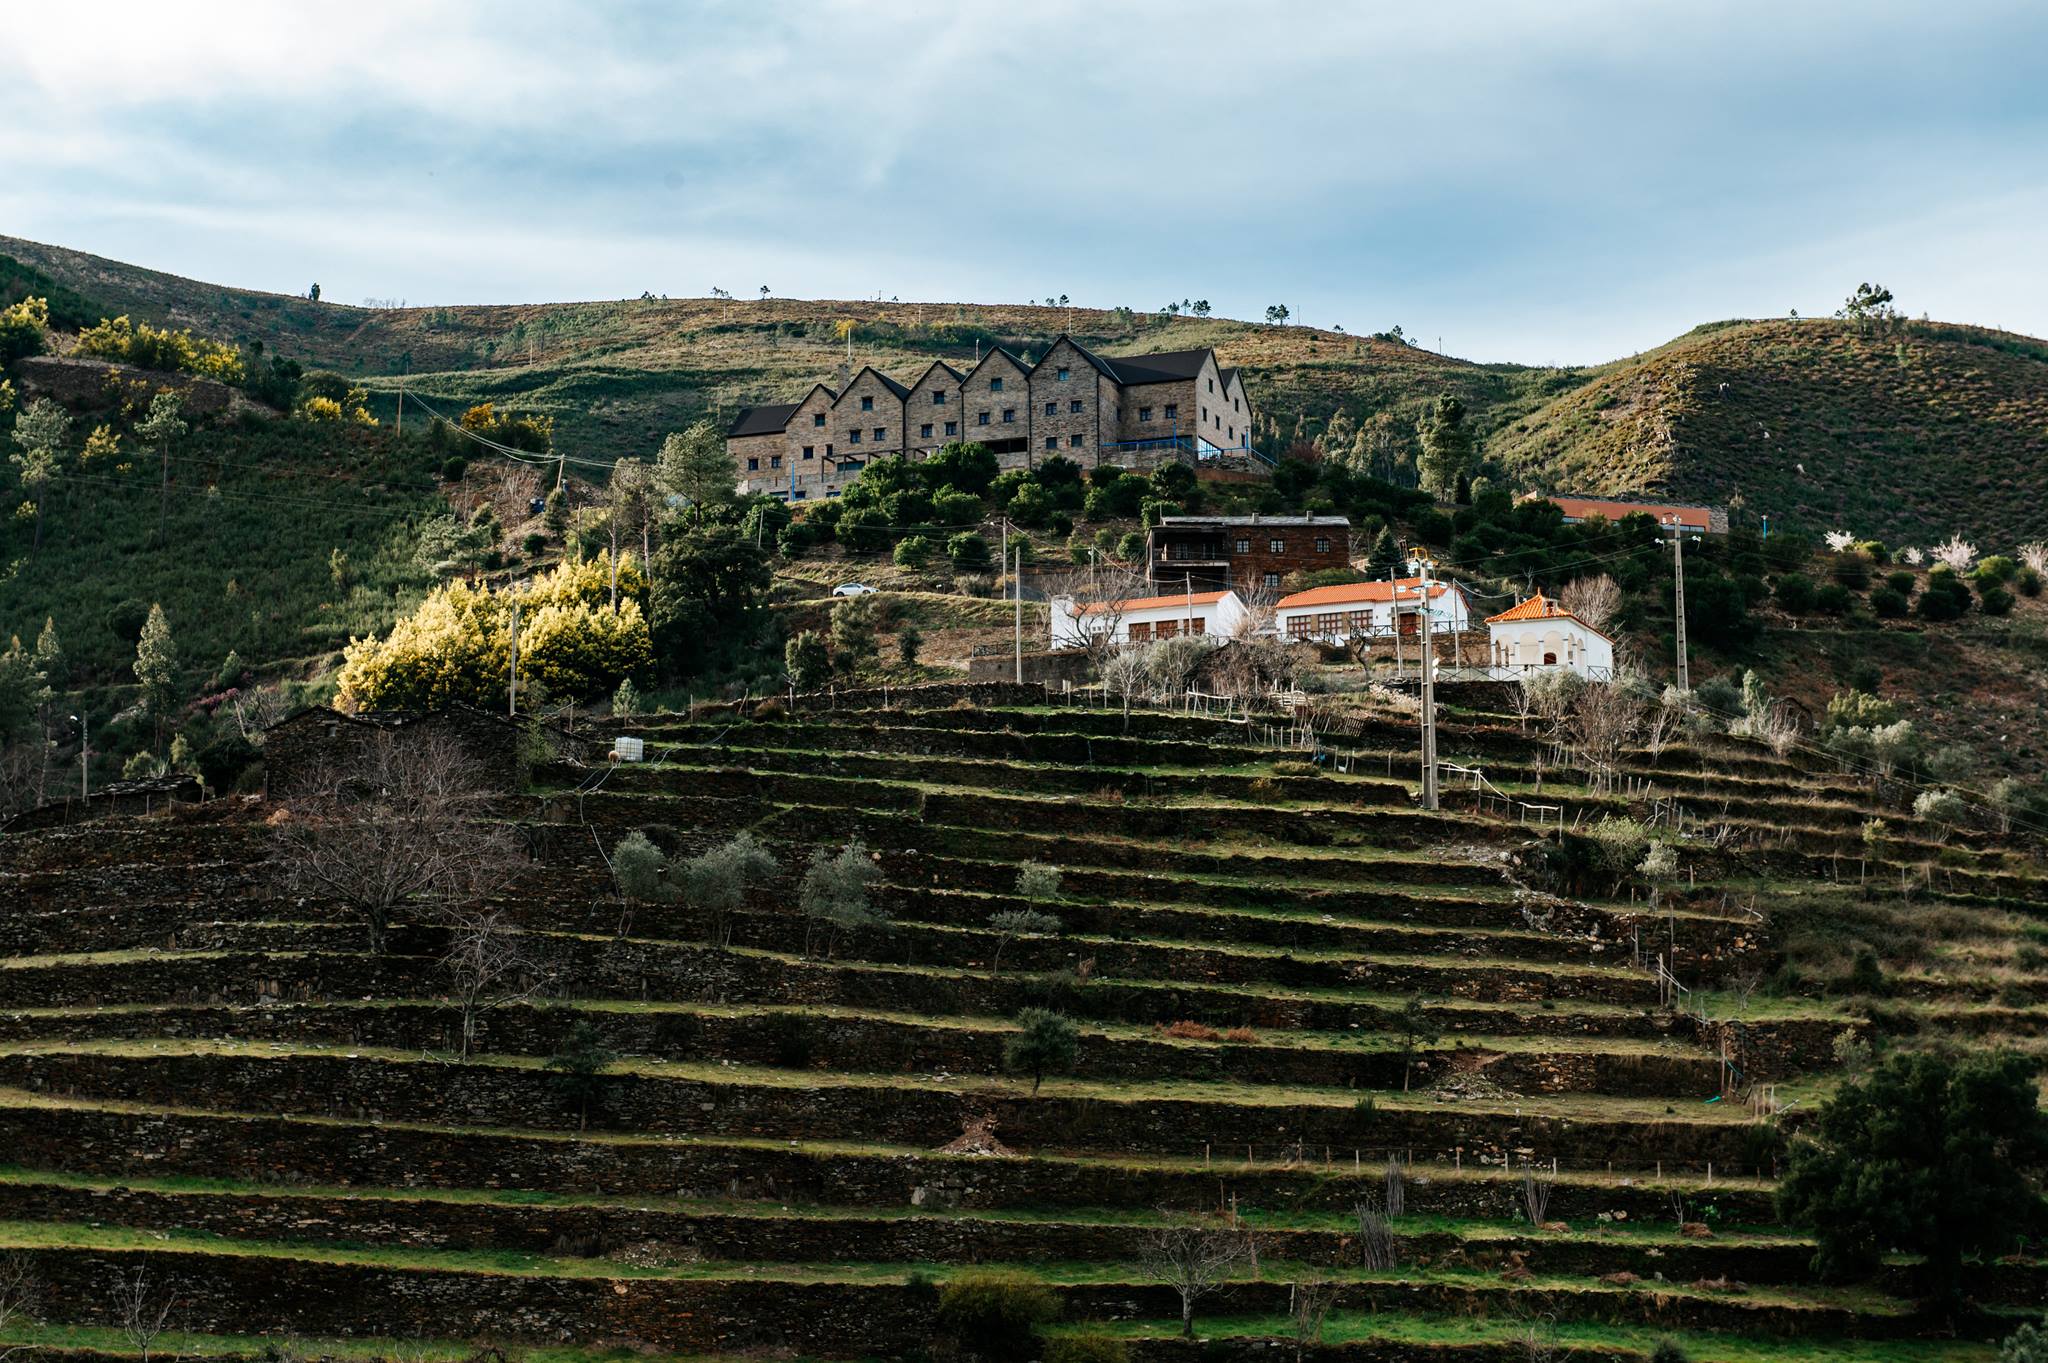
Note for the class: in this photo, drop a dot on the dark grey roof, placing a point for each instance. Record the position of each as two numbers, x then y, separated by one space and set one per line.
1166 366
769 420
938 364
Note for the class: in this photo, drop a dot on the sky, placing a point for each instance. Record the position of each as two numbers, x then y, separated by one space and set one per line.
1561 181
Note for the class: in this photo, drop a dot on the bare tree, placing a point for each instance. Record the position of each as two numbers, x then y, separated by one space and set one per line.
1261 609
1308 1301
1602 720
1194 1260
20 1296
1595 600
1397 1187
407 820
1098 598
1535 1195
487 967
629 510
140 1310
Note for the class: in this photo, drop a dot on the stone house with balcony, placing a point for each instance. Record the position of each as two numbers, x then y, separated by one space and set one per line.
1247 553
1134 412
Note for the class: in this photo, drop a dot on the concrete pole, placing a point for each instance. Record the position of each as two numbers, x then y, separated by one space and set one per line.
1429 793
512 681
1019 625
1678 600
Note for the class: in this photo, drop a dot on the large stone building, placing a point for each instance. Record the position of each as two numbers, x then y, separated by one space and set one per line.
1134 411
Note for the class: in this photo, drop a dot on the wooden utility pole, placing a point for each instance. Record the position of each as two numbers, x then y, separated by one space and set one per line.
1678 599
1429 796
1019 624
512 681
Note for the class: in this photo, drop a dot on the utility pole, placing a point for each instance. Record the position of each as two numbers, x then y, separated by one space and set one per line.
1019 625
512 680
84 756
1394 617
1429 800
1005 559
1678 598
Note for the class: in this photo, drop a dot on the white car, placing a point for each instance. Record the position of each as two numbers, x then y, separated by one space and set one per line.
853 589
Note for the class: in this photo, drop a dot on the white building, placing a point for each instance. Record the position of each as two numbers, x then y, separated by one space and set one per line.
1370 610
1541 633
1144 619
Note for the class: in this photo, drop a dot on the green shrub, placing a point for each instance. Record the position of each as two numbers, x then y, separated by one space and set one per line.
453 467
1996 569
1945 598
1874 550
1888 604
1901 582
534 543
1668 1351
1994 600
1853 572
1795 593
913 551
968 552
2028 582
1833 599
995 1314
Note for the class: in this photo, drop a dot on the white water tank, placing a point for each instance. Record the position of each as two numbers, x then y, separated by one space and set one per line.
627 749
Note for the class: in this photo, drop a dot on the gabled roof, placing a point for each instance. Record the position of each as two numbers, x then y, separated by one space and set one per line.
898 389
1147 603
1579 508
1164 366
1102 366
1358 593
771 419
994 351
950 371
1541 607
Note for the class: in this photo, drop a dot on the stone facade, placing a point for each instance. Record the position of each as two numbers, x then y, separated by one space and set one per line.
1133 412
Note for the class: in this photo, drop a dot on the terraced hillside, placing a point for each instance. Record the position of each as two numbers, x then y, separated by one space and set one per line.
1295 994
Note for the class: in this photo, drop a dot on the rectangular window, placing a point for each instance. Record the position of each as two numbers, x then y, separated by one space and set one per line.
952 428
817 418
981 418
800 494
938 397
1212 385
995 385
1009 414
1074 406
1169 629
1273 580
1274 546
809 451
828 451
1322 545
1244 546
1052 408
1234 407
853 437
1141 630
774 461
1144 414
1198 625
753 466
1061 375
881 434
1052 442
1073 442
867 404
1173 411
924 432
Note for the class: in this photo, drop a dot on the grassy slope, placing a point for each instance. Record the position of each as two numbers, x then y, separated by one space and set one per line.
1909 435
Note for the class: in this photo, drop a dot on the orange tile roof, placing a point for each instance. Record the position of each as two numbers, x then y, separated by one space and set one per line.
1541 607
1356 593
1146 603
1578 508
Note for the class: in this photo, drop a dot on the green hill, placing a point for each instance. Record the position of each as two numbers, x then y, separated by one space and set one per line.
1909 433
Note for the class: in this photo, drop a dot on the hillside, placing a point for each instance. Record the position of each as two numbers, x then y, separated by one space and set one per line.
1908 434
1326 1008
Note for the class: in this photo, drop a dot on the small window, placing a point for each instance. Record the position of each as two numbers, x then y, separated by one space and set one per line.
828 451
1322 545
753 466
938 397
1074 406
981 418
867 404
1073 442
853 437
952 428
1244 546
1144 414
817 418
995 385
1297 625
774 461
799 494
1141 629
810 451
1274 546
1234 407
1198 625
1052 442
1173 411
1272 579
924 432
1009 414
1052 408
1061 375
881 433
1212 385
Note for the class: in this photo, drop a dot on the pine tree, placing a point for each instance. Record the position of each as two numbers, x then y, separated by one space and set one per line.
1446 446
697 467
1385 558
162 425
156 662
40 431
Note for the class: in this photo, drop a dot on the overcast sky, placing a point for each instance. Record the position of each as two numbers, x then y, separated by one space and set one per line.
1554 181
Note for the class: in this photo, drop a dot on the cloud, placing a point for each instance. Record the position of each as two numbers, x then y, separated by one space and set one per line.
1540 181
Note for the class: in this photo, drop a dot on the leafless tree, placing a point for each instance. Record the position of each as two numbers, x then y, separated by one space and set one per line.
1397 1188
1261 606
1308 1301
629 510
256 709
20 1296
487 967
1602 720
1194 1260
1535 1194
141 1310
1376 1249
406 820
1099 596
1595 600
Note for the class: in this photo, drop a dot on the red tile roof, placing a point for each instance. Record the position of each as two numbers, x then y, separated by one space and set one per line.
1357 593
1541 607
1147 603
